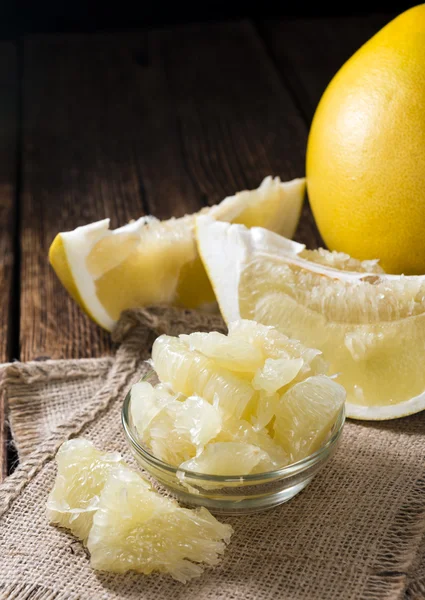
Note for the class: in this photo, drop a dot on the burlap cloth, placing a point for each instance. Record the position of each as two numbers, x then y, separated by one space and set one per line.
356 532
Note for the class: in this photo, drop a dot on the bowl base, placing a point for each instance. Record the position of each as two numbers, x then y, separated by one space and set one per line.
233 506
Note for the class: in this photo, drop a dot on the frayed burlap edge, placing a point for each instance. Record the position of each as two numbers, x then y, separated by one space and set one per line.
398 559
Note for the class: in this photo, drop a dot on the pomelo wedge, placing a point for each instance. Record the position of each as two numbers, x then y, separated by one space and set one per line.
151 262
370 326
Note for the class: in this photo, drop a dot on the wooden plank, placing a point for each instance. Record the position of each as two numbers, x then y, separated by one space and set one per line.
9 306
163 121
97 135
237 121
308 52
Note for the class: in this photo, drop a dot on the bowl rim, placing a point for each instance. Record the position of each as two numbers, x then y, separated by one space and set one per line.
179 473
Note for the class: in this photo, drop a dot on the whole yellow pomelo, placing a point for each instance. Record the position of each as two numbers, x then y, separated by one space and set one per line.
366 150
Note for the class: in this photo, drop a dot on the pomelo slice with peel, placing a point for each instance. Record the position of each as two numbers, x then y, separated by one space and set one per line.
136 529
370 326
151 262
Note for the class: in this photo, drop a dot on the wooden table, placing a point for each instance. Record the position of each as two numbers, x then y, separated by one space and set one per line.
162 122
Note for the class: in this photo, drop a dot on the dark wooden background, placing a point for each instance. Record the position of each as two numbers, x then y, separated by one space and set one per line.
160 121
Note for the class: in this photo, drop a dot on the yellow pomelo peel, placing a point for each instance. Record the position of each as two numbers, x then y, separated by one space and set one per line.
366 150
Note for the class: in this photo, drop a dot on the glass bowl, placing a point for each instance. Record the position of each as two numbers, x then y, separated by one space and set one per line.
231 494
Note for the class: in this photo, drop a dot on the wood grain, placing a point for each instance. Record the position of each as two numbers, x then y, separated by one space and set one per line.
118 125
97 135
308 52
9 306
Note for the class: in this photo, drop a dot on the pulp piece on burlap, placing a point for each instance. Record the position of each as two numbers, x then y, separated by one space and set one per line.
355 532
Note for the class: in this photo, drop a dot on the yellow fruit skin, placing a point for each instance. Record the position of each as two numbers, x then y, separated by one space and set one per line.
366 150
59 262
